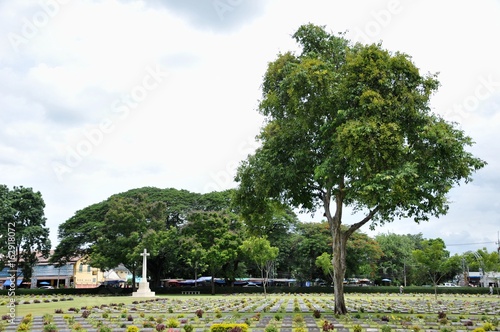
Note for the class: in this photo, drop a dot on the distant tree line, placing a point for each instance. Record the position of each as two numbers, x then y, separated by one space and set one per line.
191 234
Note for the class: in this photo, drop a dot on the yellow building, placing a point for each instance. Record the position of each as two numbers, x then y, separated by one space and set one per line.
86 276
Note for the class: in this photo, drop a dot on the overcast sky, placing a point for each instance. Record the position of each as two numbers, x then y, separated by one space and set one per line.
99 97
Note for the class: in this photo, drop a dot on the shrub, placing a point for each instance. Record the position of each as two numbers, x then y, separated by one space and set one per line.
130 318
50 328
441 314
229 327
317 313
86 313
488 326
161 327
478 329
298 319
271 328
277 317
172 323
357 328
445 329
132 328
327 326
386 328
23 327
104 329
199 313
188 328
147 324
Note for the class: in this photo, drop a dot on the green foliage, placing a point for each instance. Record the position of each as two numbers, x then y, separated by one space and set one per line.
271 328
172 323
357 328
488 326
132 328
227 327
104 329
385 328
298 319
188 328
23 222
350 125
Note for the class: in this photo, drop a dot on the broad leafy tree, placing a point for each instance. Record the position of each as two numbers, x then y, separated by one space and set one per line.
397 260
218 238
261 253
310 241
433 260
23 232
363 252
350 126
324 261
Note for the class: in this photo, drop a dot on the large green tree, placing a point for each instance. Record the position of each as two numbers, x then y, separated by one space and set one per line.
217 236
434 260
350 126
397 260
24 234
262 254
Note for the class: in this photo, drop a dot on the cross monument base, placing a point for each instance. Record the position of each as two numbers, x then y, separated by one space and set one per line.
143 290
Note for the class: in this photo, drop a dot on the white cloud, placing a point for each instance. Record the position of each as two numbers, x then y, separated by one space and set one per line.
68 71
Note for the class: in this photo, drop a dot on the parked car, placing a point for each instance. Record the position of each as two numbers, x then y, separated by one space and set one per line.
45 287
449 284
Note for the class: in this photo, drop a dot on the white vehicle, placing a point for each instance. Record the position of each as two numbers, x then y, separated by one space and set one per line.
450 284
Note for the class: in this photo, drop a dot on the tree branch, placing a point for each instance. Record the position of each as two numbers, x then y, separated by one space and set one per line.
356 226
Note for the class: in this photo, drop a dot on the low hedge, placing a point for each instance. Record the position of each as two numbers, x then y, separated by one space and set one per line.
207 290
226 327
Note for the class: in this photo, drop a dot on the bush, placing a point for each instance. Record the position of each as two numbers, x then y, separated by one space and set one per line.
229 327
488 326
86 313
50 328
386 328
357 328
104 329
317 313
188 328
271 328
199 313
298 319
172 323
327 326
132 328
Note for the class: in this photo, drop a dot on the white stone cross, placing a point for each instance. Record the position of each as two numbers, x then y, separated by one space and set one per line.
144 265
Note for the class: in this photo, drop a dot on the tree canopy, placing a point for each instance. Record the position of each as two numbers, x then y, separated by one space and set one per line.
351 126
23 228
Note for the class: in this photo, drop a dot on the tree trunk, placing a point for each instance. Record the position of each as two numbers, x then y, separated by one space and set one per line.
213 283
339 267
